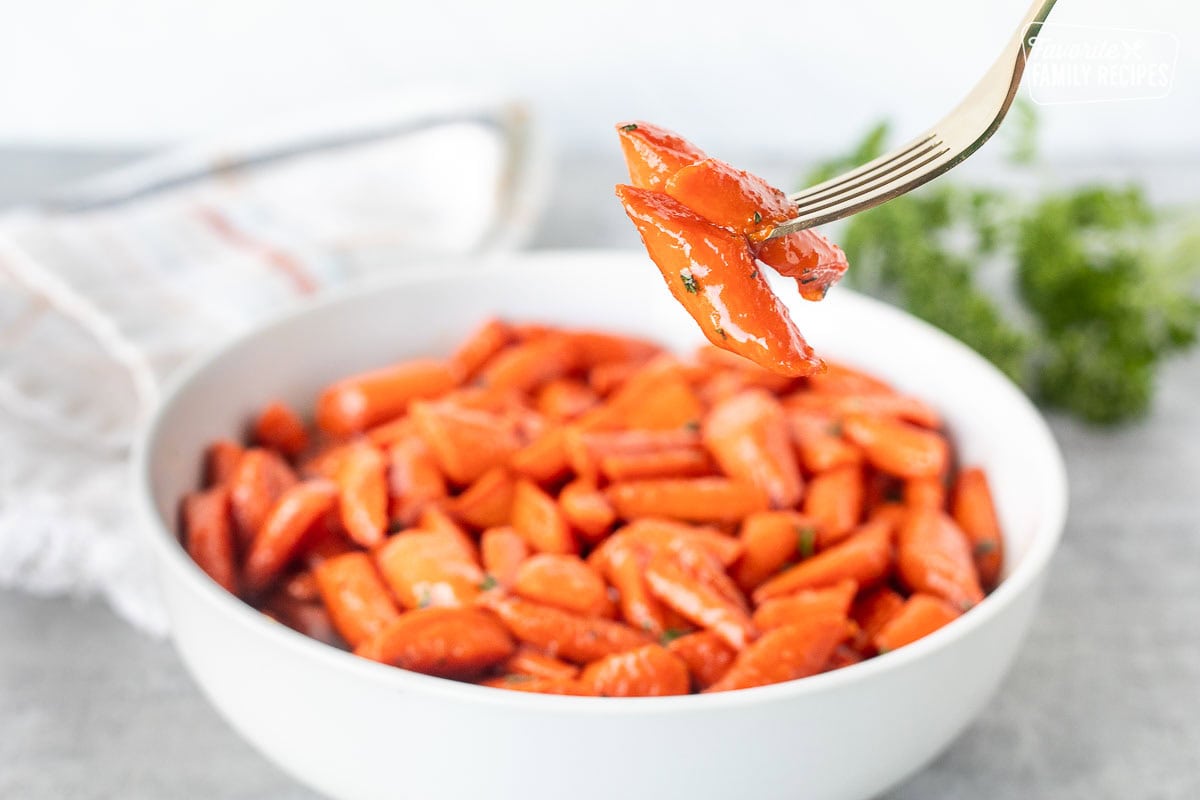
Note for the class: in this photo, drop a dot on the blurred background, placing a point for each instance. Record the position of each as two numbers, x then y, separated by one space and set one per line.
1103 702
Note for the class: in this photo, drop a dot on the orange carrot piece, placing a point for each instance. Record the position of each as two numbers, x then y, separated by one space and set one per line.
712 360
712 273
654 154
487 503
890 513
698 602
625 565
815 262
730 197
586 509
865 557
595 348
310 619
543 460
706 655
749 437
933 556
975 514
363 494
898 448
587 448
429 568
357 599
302 586
844 655
362 401
840 378
433 518
691 499
818 441
565 399
526 366
448 642
280 428
785 653
770 539
648 671
539 520
925 493
220 460
562 581
327 540
283 531
480 346
503 550
921 615
665 534
389 433
832 600
528 661
560 633
257 482
604 379
414 479
465 442
209 536
531 683
680 462
874 609
873 404
835 503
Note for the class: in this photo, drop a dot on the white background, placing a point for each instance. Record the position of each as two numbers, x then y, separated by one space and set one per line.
783 76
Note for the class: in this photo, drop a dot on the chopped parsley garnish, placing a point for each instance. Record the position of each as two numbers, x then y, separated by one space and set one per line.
757 217
395 526
721 331
630 127
489 582
689 282
692 425
984 547
424 600
806 540
670 635
754 274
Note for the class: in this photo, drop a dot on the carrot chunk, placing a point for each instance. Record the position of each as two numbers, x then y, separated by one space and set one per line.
706 655
282 533
786 653
771 539
648 671
257 482
691 499
208 535
898 448
921 615
730 197
835 503
976 515
832 600
539 521
448 642
429 568
359 603
562 581
933 556
488 502
280 428
749 437
865 557
363 494
363 401
560 633
502 550
654 154
465 442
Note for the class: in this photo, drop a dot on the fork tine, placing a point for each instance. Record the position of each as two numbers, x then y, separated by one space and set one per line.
871 166
887 164
870 184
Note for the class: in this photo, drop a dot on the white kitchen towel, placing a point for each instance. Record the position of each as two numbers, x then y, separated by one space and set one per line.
107 288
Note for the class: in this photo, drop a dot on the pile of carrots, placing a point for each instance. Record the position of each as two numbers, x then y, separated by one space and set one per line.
582 513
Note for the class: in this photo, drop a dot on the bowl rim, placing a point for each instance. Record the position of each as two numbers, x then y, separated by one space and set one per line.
174 564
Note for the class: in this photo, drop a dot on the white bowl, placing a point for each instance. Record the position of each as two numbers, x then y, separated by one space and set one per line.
355 729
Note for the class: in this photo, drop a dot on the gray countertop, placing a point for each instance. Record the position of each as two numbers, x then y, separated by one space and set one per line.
1103 702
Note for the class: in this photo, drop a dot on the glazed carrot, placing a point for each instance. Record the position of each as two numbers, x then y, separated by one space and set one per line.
649 671
413 477
531 683
282 533
502 550
560 633
875 609
537 518
429 568
624 565
528 661
924 493
839 378
604 379
209 535
934 556
690 499
976 515
819 442
526 366
280 428
770 539
363 494
586 509
921 615
302 586
309 619
729 197
680 462
326 540
357 599
595 348
543 460
865 557
363 401
891 513
706 655
815 262
587 448
785 653
257 482
654 154
898 448
220 460
665 534
844 655
487 503
480 346
876 404
835 503
465 442
564 399
833 600
747 373
698 602
389 433
724 292
749 437
563 581
450 642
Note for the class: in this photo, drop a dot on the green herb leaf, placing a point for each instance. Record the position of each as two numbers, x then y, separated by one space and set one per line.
721 331
692 425
670 635
630 127
395 526
489 582
689 282
806 540
424 600
982 548
757 218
